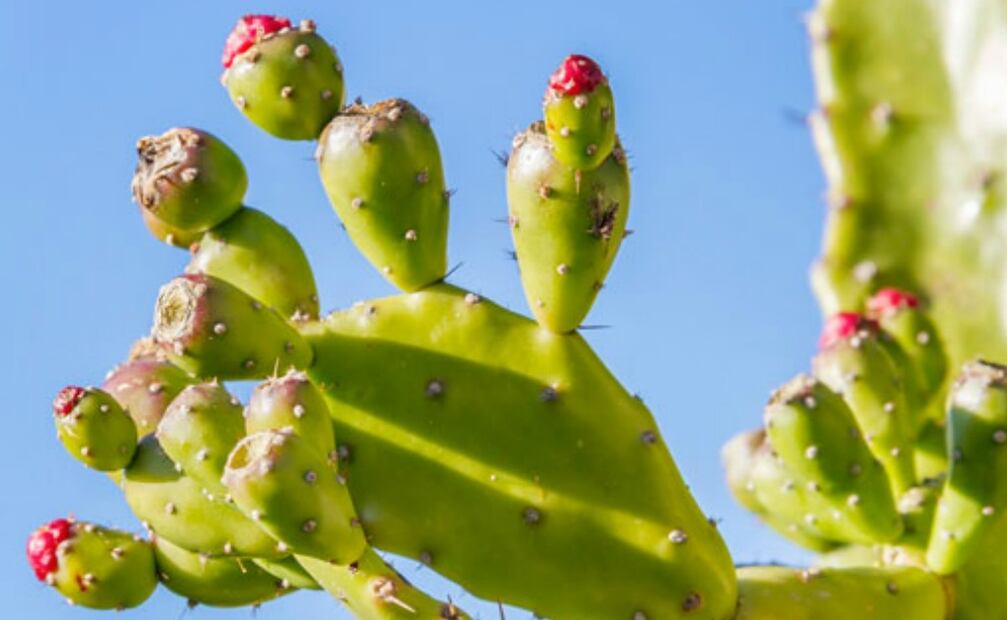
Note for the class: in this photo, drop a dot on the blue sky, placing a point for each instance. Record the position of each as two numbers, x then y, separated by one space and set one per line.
708 303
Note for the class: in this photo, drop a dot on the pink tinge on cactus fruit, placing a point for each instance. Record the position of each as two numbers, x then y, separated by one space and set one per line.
890 300
42 545
577 74
841 326
248 30
67 399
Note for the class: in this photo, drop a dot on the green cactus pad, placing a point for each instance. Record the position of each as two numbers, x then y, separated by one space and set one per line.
813 431
381 169
288 571
462 423
188 179
580 125
258 255
289 83
144 386
295 493
292 401
177 508
94 429
567 227
215 582
212 329
199 430
776 592
976 487
930 453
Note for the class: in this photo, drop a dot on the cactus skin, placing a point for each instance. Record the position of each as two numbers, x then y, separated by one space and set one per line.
595 500
188 179
92 566
212 329
853 363
815 434
776 592
976 488
167 233
215 582
292 401
258 255
381 169
288 571
176 508
579 112
295 494
567 227
930 454
93 428
288 81
199 430
144 386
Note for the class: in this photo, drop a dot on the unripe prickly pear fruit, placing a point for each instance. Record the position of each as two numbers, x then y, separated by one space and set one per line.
286 80
93 428
292 401
975 491
188 179
815 434
567 227
579 112
144 386
853 362
199 430
258 255
215 582
295 493
381 169
211 328
93 566
172 235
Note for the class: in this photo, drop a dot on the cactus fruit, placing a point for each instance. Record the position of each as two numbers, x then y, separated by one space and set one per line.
295 493
567 226
579 112
93 566
144 386
188 179
292 401
167 233
286 80
93 428
381 169
255 253
211 328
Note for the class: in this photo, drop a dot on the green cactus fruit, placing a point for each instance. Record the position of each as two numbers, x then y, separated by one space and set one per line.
296 494
93 566
199 430
579 112
900 315
286 80
979 584
167 233
815 434
381 169
212 329
853 363
144 386
292 401
567 227
739 456
460 422
177 508
373 590
188 179
930 453
976 487
866 593
288 571
258 255
93 428
215 582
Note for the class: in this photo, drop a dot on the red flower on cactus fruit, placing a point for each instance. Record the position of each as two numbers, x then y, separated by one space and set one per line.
841 326
577 74
890 300
67 399
248 30
42 545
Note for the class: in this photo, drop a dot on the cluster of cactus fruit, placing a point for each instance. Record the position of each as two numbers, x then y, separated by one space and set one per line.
368 429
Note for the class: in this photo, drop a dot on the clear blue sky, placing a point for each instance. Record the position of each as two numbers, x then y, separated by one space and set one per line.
708 302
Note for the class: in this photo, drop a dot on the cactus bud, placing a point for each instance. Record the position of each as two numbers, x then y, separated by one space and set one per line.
579 112
93 428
